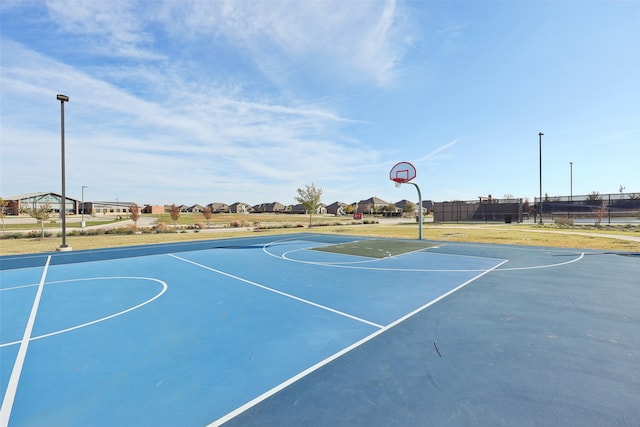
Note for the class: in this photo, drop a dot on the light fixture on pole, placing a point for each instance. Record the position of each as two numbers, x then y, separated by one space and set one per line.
83 187
540 151
63 203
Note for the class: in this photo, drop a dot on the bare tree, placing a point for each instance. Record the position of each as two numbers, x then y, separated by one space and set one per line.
206 213
174 211
309 197
3 204
134 213
593 196
600 213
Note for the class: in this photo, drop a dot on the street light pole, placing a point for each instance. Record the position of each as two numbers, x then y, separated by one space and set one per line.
83 187
63 204
540 150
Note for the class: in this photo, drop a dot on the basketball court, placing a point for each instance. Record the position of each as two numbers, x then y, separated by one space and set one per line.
323 330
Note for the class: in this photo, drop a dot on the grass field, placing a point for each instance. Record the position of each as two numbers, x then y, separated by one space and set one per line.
234 225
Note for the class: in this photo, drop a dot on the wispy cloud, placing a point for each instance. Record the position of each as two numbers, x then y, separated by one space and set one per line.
359 39
209 136
437 154
113 28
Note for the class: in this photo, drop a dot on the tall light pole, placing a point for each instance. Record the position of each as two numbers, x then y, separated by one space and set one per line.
63 203
83 187
540 150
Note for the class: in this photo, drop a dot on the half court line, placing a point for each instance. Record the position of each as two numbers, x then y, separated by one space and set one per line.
323 307
14 379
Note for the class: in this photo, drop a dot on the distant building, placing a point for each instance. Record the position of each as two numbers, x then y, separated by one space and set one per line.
273 207
107 208
299 209
336 208
239 207
372 205
195 208
217 207
16 204
153 209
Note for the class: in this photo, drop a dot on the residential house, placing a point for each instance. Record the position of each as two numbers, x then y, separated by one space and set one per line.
372 205
336 208
240 207
217 207
273 207
299 209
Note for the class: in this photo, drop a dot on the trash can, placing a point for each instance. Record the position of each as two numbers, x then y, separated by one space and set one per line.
507 219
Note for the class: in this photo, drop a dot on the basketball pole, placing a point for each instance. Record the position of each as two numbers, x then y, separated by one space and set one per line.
419 209
398 183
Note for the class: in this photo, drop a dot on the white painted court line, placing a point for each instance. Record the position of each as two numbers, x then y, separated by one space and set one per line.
350 265
12 386
326 361
361 259
323 307
102 319
533 267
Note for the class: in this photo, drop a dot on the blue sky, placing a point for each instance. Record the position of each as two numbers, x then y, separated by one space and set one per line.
199 101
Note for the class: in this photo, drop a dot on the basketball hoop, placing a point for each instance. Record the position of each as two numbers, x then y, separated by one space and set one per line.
402 172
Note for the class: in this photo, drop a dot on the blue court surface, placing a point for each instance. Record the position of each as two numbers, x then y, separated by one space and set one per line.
271 331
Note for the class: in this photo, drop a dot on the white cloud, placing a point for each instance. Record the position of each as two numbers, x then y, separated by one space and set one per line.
113 28
356 40
178 147
437 153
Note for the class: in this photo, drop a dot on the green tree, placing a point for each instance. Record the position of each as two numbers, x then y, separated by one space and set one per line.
409 207
309 197
41 214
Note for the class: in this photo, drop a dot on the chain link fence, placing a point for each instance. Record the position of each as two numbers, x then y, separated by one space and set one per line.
593 208
485 210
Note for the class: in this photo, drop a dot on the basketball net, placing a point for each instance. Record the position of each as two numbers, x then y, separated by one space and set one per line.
398 183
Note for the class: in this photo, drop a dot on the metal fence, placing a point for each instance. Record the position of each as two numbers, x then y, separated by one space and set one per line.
594 208
487 210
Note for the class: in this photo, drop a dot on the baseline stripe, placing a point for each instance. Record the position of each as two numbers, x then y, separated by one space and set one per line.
12 387
323 307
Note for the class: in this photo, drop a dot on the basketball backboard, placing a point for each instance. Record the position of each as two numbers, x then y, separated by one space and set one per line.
402 172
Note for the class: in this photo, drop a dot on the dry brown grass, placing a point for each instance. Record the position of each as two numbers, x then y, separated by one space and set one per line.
531 235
